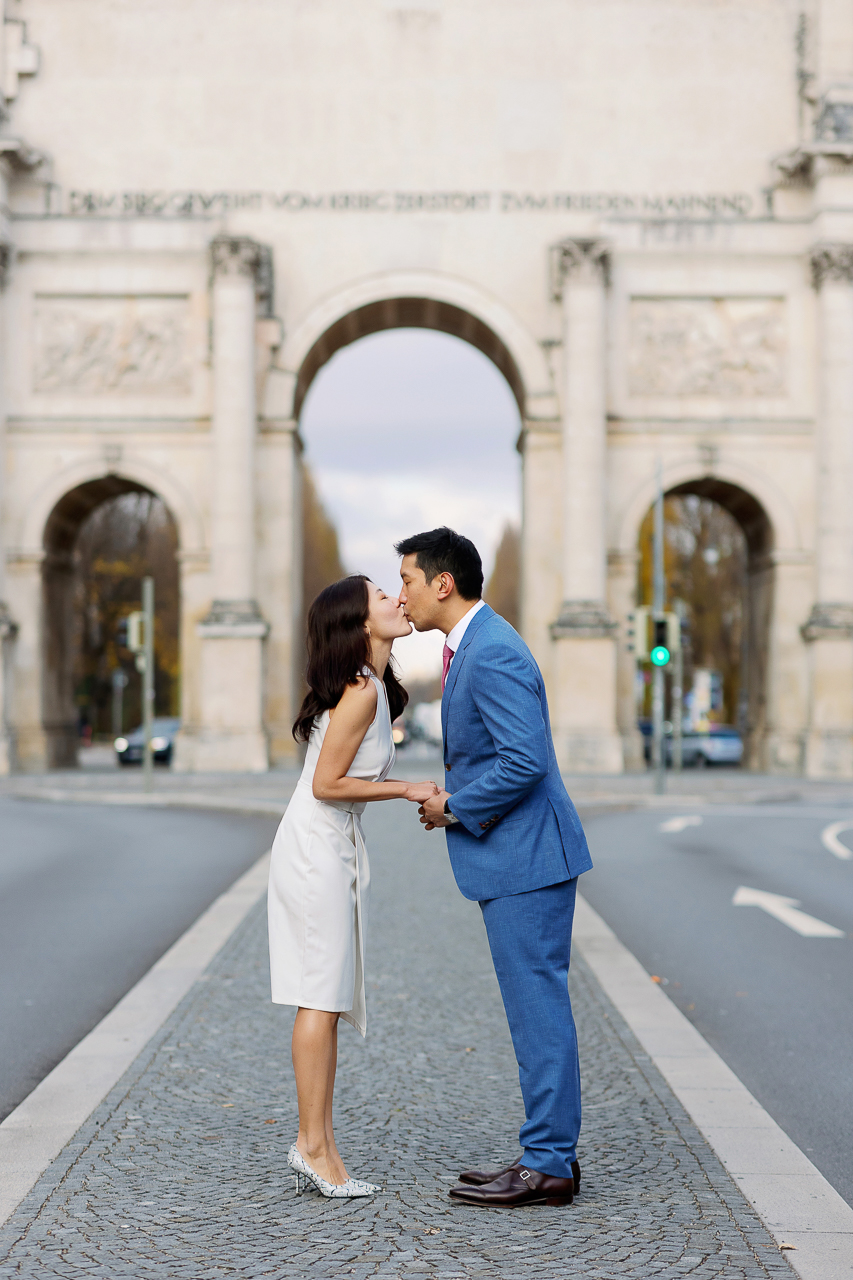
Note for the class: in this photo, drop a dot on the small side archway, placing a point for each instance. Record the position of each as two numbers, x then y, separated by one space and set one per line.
756 604
60 607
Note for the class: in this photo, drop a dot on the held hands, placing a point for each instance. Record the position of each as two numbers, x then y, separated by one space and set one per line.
432 811
420 792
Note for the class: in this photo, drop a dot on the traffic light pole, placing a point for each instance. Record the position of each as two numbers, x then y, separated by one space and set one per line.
678 692
658 604
148 681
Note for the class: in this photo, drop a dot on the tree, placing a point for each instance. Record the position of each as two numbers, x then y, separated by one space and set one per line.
321 556
503 591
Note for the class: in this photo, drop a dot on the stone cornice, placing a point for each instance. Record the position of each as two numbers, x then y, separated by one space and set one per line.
8 626
832 262
583 620
829 622
584 259
233 619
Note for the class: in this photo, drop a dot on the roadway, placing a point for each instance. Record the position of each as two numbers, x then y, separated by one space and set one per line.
90 898
759 977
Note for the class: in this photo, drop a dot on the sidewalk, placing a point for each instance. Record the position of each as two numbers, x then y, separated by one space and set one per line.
99 781
180 1172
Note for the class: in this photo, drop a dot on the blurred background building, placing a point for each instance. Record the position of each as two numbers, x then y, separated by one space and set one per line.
633 219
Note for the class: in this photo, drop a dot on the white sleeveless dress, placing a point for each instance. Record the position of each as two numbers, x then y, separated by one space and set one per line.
320 881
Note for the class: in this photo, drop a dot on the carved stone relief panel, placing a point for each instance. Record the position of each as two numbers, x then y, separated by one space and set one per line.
730 348
106 346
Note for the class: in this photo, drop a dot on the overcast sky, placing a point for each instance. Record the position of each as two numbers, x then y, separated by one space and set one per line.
406 430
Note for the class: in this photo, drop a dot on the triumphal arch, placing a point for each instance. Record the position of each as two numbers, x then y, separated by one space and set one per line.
640 210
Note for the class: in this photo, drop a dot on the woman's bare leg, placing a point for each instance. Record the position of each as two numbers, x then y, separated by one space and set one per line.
314 1061
330 1094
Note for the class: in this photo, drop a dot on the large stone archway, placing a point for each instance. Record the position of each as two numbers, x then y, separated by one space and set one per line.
688 306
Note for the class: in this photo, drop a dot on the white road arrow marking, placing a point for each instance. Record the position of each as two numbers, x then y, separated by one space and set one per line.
829 839
673 825
785 909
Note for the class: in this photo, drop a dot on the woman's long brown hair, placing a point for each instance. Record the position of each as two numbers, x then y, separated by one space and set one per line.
339 651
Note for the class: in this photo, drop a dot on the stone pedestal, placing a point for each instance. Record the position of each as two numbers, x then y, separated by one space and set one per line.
228 733
829 740
584 715
829 629
586 736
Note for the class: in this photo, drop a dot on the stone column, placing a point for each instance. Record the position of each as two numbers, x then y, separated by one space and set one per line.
586 734
829 629
8 627
230 734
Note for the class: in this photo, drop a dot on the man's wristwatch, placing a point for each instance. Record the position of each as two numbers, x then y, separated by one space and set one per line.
448 814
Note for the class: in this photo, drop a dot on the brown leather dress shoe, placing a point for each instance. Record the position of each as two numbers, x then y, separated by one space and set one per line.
515 1187
476 1178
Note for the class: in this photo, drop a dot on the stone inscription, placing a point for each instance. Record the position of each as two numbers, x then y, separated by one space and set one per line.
193 204
92 346
726 347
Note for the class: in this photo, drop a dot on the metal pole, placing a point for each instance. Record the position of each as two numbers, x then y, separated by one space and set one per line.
119 682
658 605
678 692
148 681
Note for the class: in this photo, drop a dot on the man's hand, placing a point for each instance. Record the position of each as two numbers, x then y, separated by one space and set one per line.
432 811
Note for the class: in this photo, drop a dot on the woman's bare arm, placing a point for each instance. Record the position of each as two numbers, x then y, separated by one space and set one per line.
348 724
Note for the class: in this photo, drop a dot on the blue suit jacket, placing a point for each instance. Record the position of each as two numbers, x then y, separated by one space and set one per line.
518 830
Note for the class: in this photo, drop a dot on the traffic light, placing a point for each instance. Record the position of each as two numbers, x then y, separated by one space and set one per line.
638 634
660 654
135 637
121 633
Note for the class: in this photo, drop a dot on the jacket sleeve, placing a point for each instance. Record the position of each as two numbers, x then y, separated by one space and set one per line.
505 690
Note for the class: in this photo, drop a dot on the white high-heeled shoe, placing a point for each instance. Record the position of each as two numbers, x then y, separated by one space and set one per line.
306 1176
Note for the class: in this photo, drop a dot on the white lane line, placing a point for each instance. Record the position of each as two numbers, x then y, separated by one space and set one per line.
829 839
785 910
673 825
795 1201
33 1135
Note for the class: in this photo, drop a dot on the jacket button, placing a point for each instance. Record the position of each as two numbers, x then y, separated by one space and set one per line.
447 767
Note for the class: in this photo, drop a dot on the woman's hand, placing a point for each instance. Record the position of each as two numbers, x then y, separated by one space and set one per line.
420 791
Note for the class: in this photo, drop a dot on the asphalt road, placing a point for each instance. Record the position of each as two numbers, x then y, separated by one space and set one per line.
90 898
775 1005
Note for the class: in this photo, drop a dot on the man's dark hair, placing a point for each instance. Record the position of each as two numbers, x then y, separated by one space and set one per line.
445 551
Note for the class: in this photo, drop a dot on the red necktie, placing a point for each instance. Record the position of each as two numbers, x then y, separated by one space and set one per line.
446 655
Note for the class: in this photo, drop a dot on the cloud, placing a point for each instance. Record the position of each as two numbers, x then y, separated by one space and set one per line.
407 430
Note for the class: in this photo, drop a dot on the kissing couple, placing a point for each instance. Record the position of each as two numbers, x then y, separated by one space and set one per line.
516 847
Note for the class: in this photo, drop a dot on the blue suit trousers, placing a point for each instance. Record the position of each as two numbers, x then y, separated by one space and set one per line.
530 936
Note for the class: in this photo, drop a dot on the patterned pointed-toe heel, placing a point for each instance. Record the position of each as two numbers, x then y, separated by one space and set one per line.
306 1176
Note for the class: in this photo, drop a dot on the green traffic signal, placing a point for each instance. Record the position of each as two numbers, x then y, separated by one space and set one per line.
660 655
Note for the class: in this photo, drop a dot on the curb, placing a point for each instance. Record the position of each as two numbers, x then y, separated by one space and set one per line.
33 1135
149 799
799 1207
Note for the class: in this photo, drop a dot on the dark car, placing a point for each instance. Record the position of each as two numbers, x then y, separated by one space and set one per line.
130 748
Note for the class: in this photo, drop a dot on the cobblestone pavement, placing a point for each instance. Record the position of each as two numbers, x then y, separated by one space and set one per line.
181 1172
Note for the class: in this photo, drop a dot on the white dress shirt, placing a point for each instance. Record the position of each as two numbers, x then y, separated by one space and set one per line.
454 638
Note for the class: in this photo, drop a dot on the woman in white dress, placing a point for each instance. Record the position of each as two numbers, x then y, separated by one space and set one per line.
319 877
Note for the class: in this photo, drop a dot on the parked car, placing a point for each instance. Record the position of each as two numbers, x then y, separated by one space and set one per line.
130 747
719 744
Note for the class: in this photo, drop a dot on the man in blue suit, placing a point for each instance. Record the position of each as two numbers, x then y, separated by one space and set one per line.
516 847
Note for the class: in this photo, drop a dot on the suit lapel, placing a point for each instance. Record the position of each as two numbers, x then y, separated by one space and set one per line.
471 630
